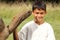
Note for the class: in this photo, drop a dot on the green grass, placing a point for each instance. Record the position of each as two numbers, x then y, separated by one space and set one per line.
7 11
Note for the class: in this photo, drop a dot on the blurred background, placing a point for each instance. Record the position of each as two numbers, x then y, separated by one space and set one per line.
9 8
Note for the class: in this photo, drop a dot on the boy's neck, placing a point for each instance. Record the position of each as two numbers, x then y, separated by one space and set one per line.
39 23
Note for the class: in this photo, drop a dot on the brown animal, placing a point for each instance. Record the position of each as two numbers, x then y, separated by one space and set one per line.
6 31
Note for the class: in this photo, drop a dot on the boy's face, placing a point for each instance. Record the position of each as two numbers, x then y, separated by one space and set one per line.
39 14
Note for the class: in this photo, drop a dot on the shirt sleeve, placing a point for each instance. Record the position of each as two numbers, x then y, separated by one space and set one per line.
51 35
22 34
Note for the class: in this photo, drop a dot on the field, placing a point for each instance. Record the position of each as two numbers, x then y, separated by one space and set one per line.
7 12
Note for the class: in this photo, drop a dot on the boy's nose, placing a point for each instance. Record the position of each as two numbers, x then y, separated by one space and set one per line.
39 15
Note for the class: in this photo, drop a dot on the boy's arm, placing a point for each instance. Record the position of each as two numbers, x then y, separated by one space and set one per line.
51 35
22 34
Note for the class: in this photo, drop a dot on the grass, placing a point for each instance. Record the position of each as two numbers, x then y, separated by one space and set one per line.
7 11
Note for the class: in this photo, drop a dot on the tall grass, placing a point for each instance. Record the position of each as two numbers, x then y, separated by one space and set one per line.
7 11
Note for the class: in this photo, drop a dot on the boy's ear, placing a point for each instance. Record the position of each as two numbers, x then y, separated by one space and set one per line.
45 11
32 13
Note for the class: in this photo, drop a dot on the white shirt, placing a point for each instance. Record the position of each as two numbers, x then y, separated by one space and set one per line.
26 32
43 32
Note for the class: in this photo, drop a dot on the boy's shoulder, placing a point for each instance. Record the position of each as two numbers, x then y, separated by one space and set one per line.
29 23
48 24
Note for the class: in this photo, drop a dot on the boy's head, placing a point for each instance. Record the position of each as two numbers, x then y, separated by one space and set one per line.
39 5
39 10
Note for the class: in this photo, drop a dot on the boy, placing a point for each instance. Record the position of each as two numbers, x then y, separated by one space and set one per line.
38 11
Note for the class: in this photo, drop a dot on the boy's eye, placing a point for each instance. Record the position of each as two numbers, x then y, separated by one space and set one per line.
41 13
37 12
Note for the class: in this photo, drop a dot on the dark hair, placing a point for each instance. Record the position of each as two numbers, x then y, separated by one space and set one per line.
39 5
